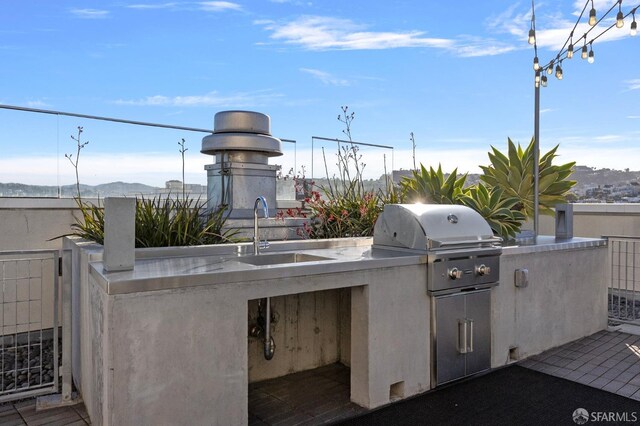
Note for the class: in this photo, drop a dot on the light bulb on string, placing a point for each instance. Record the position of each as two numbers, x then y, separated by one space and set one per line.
619 16
550 69
634 26
591 55
570 48
592 15
536 65
544 81
537 79
532 36
559 71
583 55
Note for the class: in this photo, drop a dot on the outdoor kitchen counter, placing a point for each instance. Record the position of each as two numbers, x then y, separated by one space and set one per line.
190 306
225 267
151 274
549 243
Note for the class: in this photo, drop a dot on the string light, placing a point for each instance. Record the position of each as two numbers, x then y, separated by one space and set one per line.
532 30
619 16
570 44
592 15
559 71
570 48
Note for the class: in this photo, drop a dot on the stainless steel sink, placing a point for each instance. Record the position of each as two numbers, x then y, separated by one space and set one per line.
280 258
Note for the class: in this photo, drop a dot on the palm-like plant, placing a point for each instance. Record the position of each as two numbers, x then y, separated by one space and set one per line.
496 208
513 173
430 186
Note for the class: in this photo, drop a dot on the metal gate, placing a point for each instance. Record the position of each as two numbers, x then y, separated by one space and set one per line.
29 319
624 285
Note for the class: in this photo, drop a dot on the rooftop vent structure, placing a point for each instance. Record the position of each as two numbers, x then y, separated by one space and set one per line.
242 144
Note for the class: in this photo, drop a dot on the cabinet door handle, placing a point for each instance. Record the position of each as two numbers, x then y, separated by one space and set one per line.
470 348
462 336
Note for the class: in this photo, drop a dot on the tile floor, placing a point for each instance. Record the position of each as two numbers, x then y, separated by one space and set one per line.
608 360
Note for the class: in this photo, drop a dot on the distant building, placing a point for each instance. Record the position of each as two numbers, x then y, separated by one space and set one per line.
173 184
397 175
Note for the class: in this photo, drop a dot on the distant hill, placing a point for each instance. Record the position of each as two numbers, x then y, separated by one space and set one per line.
67 191
587 178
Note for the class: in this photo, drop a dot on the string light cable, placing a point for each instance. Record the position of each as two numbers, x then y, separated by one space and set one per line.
556 62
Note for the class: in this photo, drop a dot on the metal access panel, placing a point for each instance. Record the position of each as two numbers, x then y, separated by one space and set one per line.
461 330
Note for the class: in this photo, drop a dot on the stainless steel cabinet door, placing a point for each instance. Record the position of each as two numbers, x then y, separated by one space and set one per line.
450 362
478 317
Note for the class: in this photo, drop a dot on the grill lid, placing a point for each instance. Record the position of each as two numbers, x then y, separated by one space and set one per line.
431 226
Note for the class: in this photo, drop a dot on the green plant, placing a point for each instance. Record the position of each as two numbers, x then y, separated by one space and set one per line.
91 226
495 208
348 210
432 187
514 174
161 222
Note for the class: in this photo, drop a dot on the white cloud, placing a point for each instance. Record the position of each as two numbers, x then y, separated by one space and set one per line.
329 33
633 84
37 104
633 117
325 77
90 13
241 99
152 6
219 6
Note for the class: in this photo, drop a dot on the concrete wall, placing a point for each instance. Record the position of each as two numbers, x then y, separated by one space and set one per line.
145 354
306 332
566 299
32 223
597 220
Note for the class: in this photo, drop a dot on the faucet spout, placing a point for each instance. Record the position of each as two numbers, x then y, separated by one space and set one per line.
265 210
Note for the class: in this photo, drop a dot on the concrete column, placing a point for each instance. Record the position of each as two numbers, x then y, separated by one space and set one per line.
119 233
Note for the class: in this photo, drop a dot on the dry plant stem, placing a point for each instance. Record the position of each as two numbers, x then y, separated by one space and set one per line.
413 143
69 157
182 151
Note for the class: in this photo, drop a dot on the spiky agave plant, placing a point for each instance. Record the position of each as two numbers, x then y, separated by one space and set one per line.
431 186
496 208
513 173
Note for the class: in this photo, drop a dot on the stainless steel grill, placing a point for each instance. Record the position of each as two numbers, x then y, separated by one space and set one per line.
463 264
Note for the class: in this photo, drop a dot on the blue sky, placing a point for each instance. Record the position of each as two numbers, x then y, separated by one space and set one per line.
456 74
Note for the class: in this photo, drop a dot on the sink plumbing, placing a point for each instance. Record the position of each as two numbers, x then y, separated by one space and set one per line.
263 322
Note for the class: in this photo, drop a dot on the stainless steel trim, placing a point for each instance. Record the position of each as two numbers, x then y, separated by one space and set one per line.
462 336
470 348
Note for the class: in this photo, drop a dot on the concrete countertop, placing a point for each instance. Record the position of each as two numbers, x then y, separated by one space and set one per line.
172 268
162 273
546 243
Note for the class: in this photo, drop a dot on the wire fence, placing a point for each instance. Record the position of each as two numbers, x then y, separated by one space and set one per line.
624 285
29 346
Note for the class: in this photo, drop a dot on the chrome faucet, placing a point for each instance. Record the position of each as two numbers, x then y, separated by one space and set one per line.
257 244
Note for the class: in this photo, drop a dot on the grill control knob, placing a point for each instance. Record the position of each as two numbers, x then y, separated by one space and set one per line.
483 270
454 273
